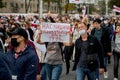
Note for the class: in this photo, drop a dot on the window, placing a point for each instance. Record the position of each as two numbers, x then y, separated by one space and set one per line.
11 4
22 6
5 4
33 5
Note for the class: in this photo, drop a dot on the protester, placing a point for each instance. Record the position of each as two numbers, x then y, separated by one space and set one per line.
41 50
102 35
22 58
116 51
53 57
31 24
5 72
88 50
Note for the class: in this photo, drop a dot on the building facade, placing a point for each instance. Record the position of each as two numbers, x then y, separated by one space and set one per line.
19 6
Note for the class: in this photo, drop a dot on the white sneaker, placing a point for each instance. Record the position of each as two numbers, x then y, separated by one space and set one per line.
115 79
105 74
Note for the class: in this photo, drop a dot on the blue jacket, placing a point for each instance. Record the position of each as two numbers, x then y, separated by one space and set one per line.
25 66
5 73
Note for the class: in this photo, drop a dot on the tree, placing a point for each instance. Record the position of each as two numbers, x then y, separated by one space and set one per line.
14 7
113 2
59 6
38 5
68 7
92 9
27 5
1 4
102 7
48 1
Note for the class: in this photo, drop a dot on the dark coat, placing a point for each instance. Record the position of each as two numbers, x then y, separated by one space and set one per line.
25 66
105 40
5 73
94 47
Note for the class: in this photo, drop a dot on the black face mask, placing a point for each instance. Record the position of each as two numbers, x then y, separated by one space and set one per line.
14 42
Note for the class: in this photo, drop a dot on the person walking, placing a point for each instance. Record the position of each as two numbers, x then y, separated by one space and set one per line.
22 58
103 37
116 51
54 56
5 72
87 51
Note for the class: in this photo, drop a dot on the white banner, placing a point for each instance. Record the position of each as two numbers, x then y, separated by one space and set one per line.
82 1
55 32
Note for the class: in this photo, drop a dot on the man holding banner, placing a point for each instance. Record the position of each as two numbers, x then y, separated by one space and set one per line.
54 35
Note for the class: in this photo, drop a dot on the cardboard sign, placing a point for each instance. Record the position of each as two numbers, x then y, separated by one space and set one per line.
55 32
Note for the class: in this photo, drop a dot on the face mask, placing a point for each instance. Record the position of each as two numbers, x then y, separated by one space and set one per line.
81 32
14 42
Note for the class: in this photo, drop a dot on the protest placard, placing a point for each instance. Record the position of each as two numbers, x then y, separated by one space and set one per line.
55 32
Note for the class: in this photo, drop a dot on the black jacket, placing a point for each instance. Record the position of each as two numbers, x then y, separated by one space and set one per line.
94 47
105 40
5 72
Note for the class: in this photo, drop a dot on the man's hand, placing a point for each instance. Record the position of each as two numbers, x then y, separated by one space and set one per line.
109 53
101 70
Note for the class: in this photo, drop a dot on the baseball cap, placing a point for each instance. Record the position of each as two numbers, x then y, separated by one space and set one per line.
19 31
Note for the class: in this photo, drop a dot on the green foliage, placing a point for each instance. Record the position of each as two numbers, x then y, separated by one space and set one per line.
1 4
92 9
69 7
102 7
113 2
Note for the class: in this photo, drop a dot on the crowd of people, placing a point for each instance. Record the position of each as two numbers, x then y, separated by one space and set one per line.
92 42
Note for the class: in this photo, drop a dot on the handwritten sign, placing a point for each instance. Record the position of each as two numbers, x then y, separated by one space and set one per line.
55 32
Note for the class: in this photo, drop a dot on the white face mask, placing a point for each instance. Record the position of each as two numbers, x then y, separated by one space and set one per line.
81 32
105 22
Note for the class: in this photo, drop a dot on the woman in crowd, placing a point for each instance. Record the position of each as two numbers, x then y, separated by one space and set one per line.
116 51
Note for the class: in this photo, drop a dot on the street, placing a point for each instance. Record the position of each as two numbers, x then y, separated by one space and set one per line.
71 75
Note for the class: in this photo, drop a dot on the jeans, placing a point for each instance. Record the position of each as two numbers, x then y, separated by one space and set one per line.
105 63
82 72
43 74
116 63
53 71
97 70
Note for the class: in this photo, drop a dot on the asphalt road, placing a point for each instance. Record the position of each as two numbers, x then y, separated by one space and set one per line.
71 75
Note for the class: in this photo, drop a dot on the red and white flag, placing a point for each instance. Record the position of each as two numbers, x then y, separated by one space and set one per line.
116 9
84 11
